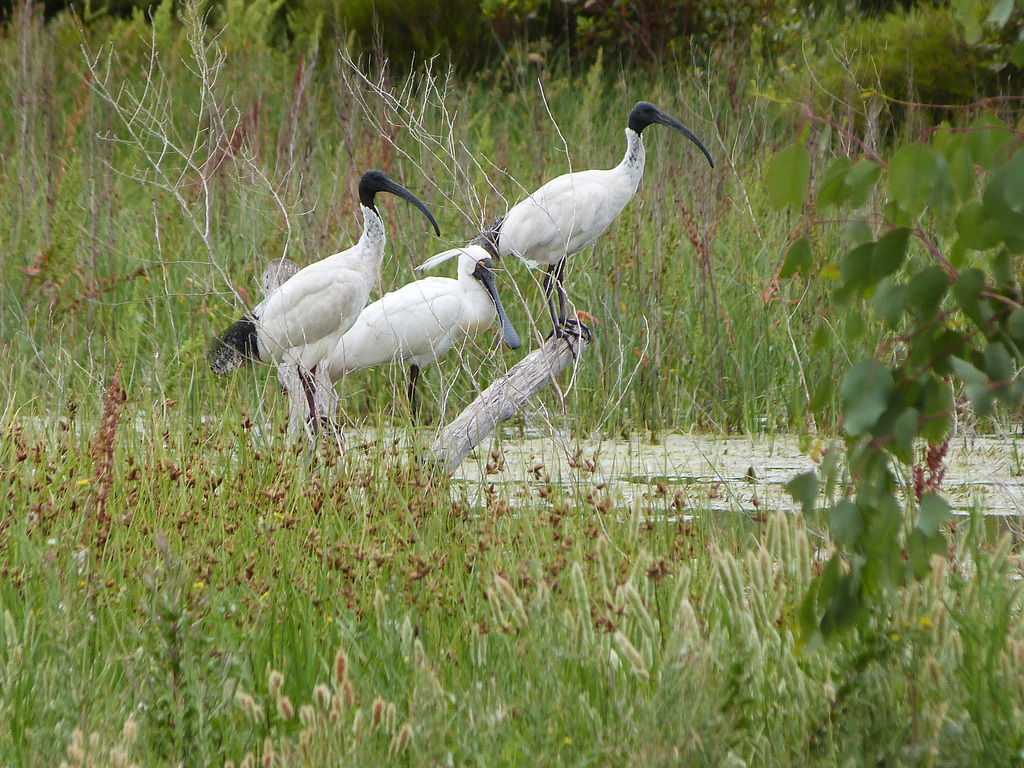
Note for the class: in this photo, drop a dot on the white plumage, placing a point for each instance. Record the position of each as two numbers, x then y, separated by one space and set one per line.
571 211
301 322
421 321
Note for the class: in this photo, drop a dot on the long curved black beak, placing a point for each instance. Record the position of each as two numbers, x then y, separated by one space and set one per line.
675 125
377 181
645 113
485 275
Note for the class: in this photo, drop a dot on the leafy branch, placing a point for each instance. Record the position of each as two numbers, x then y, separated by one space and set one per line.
934 259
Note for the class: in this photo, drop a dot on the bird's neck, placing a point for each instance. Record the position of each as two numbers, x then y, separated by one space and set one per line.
371 243
633 161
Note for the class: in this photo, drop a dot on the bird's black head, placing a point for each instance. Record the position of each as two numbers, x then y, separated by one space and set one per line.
645 113
373 182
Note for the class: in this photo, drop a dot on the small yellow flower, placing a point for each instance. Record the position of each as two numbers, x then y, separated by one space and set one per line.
84 481
568 741
200 584
926 623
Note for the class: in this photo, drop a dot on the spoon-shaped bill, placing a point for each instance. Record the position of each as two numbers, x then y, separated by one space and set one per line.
485 275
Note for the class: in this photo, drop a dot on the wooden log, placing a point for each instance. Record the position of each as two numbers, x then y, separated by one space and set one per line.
503 399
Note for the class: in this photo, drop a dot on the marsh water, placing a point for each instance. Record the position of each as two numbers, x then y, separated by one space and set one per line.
738 474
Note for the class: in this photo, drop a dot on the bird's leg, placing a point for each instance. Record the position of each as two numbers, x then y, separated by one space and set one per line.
309 388
549 285
414 376
560 287
564 325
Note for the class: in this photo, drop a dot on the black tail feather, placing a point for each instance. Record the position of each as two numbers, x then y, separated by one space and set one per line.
236 346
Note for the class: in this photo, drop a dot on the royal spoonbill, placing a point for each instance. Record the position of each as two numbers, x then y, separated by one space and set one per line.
570 212
418 323
301 322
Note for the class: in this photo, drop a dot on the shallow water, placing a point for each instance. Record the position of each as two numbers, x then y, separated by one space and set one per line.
738 474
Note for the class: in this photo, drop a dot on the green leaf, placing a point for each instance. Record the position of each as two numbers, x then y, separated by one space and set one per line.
987 137
961 172
949 342
866 390
861 179
855 266
977 385
926 290
890 300
934 513
1000 13
936 404
914 170
845 523
804 489
809 612
967 292
834 190
1013 190
977 230
822 336
1015 324
787 177
798 259
859 231
903 434
889 252
998 364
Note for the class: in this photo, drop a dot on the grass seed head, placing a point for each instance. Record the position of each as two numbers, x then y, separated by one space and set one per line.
340 667
268 753
357 723
377 712
285 708
247 704
510 597
633 656
129 731
118 757
76 753
274 682
400 741
348 694
322 697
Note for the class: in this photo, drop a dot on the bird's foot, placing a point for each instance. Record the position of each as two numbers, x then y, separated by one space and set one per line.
573 331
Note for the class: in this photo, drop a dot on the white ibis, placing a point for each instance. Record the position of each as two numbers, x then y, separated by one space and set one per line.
570 212
301 322
421 321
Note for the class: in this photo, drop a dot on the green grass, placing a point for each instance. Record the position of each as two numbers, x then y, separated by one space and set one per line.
542 627
162 557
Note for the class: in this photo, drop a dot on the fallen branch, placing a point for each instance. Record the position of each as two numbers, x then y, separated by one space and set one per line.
503 399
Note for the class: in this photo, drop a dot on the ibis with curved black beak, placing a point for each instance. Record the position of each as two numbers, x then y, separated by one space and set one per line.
570 212
301 322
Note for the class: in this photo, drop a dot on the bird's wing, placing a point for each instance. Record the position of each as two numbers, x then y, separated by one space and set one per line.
313 306
562 217
414 323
